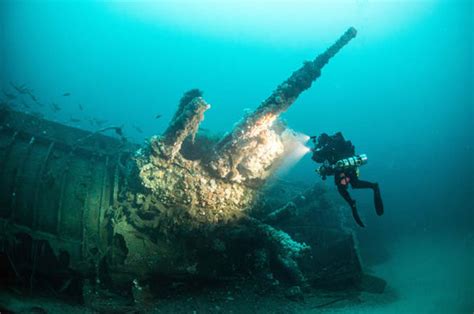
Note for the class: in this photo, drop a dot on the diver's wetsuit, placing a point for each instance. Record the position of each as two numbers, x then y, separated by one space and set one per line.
330 149
344 178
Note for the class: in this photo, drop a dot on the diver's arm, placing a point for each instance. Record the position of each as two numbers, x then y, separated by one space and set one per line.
326 169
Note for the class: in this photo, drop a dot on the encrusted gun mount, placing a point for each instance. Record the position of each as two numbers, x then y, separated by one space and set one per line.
223 186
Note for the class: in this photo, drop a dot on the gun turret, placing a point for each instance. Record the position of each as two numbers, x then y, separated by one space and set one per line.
231 158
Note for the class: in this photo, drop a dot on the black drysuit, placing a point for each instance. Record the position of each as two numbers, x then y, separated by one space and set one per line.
331 149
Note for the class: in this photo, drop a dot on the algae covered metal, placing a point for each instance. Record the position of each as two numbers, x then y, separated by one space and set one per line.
183 205
57 183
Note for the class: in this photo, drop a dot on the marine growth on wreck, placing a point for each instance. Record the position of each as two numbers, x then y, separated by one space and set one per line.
223 187
183 205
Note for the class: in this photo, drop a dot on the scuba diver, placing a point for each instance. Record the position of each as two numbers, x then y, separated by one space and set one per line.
338 158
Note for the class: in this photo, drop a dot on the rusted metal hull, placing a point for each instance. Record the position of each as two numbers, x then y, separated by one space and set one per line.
56 187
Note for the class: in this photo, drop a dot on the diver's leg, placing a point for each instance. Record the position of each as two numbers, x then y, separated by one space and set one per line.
345 195
360 184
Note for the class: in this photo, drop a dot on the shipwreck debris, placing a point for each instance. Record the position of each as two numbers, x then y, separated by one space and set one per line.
185 122
127 214
202 195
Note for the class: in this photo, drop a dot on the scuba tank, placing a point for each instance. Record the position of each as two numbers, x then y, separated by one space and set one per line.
351 162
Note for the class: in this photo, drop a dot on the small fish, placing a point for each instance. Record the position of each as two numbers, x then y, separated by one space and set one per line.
204 130
24 104
33 97
9 95
20 89
81 107
75 120
158 116
55 107
119 131
137 128
67 94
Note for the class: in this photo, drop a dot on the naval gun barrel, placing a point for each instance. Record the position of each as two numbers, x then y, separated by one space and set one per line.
241 138
287 92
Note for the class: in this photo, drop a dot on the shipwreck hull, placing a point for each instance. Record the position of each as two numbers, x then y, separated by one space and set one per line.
74 196
56 183
100 208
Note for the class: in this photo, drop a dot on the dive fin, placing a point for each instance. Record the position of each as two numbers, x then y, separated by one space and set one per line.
356 216
378 201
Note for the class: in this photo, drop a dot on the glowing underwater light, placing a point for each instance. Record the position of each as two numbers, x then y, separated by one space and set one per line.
295 149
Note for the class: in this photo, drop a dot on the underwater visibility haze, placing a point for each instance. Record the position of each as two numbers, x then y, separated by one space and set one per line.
158 154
